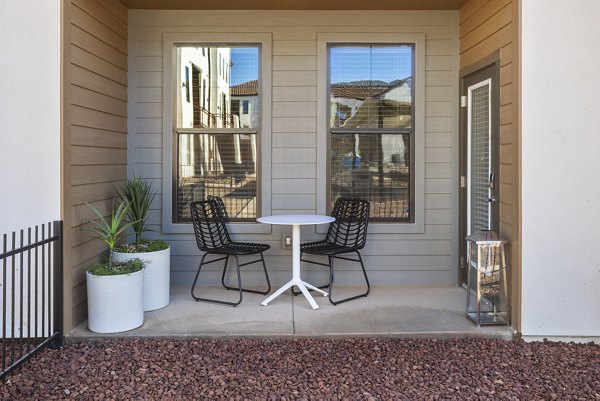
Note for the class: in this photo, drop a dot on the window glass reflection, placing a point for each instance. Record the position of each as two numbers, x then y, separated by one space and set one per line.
217 95
214 81
371 86
217 164
375 167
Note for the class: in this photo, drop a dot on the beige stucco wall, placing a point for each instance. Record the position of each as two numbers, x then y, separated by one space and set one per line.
29 114
561 195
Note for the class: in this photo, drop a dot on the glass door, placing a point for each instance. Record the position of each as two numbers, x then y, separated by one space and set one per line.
481 176
479 190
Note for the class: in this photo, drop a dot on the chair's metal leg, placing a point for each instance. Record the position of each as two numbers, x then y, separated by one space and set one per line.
362 265
355 296
239 273
197 274
224 270
216 301
262 259
331 279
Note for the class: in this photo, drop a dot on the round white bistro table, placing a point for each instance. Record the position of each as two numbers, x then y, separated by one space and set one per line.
296 220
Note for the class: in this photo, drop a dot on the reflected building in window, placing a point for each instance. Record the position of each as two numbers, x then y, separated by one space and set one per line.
204 101
371 126
244 103
216 133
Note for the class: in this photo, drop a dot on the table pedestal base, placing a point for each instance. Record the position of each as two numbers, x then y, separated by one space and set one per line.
296 221
304 286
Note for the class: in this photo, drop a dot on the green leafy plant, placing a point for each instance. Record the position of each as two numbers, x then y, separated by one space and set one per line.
110 230
138 193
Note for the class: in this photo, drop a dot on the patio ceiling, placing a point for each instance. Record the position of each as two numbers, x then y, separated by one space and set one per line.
295 4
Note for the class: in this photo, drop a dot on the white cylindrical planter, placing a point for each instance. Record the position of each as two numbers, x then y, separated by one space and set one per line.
156 276
115 303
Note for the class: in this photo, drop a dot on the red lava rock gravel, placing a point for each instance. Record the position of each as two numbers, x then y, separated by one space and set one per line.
310 369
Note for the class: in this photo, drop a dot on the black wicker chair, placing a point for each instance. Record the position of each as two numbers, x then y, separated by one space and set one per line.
212 237
347 234
222 209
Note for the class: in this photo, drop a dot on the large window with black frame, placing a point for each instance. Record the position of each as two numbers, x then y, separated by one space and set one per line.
217 127
371 130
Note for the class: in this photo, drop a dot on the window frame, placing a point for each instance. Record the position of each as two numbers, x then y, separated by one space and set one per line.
372 130
169 170
324 42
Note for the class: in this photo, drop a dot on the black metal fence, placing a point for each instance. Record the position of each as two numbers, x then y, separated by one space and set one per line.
31 284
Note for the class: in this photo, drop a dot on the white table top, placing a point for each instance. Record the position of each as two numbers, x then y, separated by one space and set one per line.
296 219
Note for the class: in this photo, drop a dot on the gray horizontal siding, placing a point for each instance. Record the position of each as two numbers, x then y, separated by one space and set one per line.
423 258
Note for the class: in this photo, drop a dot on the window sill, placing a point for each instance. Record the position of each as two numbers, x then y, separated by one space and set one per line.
387 228
234 228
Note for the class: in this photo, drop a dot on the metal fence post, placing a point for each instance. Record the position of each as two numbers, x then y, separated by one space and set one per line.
58 284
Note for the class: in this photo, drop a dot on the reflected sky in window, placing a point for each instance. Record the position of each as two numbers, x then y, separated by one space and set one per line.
244 64
359 63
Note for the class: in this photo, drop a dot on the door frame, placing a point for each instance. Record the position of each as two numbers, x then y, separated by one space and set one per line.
486 67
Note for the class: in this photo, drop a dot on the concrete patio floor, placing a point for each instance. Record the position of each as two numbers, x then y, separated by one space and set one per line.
409 311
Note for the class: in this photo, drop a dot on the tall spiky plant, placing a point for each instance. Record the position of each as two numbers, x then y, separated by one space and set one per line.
139 194
109 231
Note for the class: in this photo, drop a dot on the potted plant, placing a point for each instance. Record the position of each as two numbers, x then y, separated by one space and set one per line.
156 254
114 289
